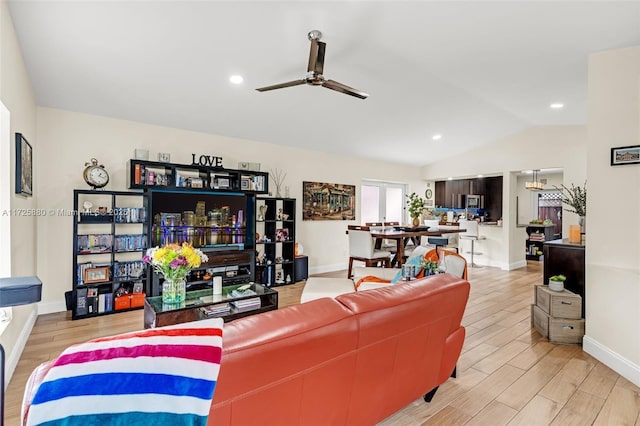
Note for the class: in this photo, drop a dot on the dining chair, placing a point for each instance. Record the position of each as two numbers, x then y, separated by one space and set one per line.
453 263
362 248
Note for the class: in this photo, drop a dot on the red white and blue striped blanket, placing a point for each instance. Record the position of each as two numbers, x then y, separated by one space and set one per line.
160 376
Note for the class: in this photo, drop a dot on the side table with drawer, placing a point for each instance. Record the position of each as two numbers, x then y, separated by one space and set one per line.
557 315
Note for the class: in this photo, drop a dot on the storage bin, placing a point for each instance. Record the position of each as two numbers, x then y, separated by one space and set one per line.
558 330
562 304
137 300
122 302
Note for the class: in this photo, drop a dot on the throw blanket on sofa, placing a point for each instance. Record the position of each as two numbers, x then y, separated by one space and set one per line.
160 376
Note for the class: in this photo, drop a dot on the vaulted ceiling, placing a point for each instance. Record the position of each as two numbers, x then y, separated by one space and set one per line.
468 71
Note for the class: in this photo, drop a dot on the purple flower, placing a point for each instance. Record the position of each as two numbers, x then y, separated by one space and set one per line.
146 259
178 261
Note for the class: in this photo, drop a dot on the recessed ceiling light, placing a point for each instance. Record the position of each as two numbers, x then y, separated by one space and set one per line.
449 178
436 137
480 175
236 79
556 105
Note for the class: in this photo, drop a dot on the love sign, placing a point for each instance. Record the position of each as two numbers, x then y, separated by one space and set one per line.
206 160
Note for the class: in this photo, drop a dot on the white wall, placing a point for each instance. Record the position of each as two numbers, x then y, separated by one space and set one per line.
17 96
613 213
73 139
535 148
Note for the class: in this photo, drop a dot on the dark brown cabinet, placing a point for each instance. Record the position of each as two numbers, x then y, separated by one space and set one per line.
564 258
448 193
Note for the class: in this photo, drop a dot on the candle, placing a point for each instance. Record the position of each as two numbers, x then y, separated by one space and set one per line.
217 285
574 234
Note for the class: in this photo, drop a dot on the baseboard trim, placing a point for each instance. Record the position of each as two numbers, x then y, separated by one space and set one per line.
328 268
517 265
611 359
21 342
51 307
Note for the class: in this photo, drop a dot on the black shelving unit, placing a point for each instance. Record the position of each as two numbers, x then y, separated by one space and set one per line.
110 235
537 235
275 241
144 174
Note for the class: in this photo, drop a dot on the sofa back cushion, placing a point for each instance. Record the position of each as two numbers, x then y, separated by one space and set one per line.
403 337
293 355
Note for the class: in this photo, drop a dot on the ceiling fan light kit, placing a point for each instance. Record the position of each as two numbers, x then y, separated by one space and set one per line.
315 69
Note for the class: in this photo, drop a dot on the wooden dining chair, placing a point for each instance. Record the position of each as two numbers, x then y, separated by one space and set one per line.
362 248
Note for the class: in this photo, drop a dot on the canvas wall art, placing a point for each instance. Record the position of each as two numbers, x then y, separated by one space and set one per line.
328 201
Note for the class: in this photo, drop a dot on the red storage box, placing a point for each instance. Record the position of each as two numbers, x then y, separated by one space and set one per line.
137 300
122 302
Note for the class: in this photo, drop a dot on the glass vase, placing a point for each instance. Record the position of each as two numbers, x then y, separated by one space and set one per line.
174 291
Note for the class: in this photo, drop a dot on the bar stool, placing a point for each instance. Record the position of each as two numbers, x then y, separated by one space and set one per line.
471 234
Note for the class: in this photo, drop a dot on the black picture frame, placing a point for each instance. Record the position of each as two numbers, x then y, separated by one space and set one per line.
625 155
24 166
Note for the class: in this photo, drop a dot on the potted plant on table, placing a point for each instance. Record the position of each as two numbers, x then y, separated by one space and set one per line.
430 267
556 282
576 198
416 207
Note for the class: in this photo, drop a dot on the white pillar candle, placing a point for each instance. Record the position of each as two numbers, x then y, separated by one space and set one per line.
217 285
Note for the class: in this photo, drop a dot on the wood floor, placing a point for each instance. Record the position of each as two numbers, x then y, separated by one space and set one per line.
507 373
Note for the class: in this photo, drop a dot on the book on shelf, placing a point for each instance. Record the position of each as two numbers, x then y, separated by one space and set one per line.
216 310
246 304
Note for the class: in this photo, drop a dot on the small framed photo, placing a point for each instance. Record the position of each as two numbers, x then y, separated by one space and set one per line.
223 182
137 287
96 275
245 184
625 155
164 157
282 235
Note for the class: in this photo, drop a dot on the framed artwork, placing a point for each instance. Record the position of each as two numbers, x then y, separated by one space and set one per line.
96 275
625 155
282 235
24 166
245 184
137 288
328 201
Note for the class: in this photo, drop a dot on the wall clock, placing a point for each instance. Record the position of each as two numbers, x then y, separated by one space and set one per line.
95 175
428 193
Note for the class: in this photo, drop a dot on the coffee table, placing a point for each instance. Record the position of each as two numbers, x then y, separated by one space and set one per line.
199 302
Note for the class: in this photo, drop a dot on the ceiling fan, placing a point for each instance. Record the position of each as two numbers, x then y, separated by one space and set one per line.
314 71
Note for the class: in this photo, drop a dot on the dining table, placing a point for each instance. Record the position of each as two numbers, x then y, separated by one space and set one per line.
405 234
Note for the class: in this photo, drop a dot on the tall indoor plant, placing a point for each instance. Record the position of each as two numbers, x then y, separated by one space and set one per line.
415 204
576 198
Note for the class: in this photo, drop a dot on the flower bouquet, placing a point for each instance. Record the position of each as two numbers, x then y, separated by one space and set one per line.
174 262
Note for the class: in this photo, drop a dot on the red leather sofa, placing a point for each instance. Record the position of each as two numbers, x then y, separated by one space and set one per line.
352 360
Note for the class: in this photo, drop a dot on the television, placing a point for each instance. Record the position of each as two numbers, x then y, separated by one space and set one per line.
207 220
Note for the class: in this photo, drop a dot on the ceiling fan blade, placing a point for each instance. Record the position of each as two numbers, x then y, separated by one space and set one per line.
282 85
339 87
316 57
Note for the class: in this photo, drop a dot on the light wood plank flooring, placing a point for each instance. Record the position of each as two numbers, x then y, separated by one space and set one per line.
507 373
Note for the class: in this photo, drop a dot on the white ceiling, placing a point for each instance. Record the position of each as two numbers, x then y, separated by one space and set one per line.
471 71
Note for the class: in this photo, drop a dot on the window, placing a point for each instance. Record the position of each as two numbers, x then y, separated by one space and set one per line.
382 201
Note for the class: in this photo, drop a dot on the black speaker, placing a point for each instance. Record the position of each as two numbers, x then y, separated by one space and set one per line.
301 268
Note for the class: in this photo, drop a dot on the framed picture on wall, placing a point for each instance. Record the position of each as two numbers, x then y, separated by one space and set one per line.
24 166
625 155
